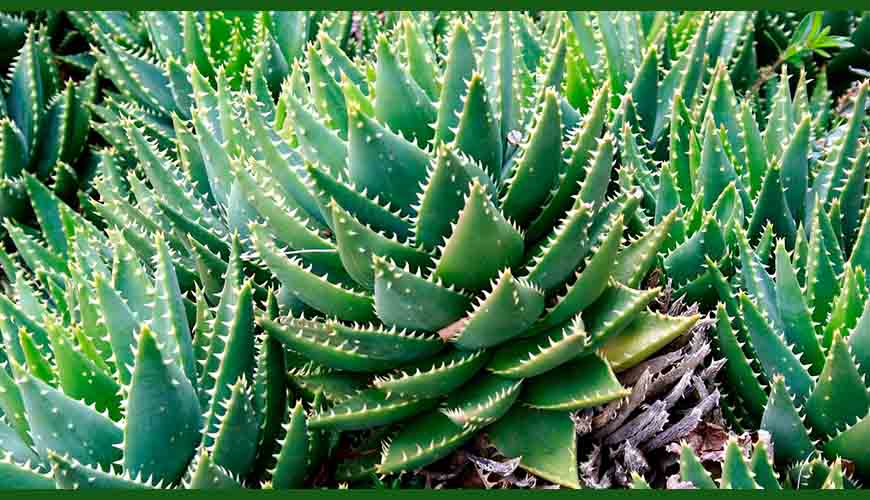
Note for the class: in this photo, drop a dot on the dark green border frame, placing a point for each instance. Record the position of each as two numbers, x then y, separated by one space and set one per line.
433 494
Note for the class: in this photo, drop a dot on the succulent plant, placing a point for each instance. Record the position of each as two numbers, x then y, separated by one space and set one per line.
733 178
674 395
438 224
104 385
805 380
44 122
390 212
740 472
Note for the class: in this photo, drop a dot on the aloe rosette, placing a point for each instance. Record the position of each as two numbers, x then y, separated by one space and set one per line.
394 203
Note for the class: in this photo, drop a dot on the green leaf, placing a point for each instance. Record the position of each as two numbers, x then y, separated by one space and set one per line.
380 216
498 62
363 348
292 459
235 440
136 76
756 155
483 242
459 66
400 103
421 59
230 353
311 288
587 168
477 132
795 170
29 91
736 474
17 475
849 444
791 441
71 474
383 163
796 319
397 294
434 376
692 471
442 198
821 278
358 244
422 441
589 283
840 396
541 353
204 473
763 469
368 409
169 320
716 170
80 378
771 206
635 260
775 354
317 142
643 337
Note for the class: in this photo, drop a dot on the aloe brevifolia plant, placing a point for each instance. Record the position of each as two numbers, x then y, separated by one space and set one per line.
393 205
44 123
104 385
725 175
758 472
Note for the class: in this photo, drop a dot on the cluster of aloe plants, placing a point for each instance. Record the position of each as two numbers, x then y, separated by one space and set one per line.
302 232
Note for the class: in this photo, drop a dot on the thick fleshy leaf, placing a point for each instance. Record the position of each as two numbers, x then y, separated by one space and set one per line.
422 441
369 409
840 396
775 354
584 383
435 376
791 440
400 103
796 318
83 433
458 68
643 337
313 289
357 348
397 294
504 312
736 474
693 471
358 244
537 167
383 163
